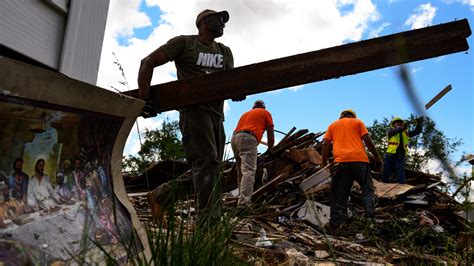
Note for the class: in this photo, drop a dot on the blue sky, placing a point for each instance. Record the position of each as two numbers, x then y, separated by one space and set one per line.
261 30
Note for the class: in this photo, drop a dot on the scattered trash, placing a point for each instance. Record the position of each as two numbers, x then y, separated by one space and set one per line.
438 228
263 241
321 254
315 213
360 236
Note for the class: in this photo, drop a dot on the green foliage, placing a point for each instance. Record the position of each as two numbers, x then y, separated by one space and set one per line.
430 145
180 238
421 244
378 133
159 144
176 242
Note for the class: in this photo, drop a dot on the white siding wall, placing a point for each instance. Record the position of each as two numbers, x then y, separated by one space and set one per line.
83 41
66 38
33 28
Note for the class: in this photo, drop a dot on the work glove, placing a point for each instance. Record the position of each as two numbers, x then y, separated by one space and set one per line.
148 110
239 98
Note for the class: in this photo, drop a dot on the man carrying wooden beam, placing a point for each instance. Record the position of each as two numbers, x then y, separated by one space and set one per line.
348 136
201 125
247 135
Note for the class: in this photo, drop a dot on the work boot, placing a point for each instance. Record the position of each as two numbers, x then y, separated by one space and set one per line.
157 212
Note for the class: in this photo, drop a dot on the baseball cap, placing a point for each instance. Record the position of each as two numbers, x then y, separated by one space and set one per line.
224 14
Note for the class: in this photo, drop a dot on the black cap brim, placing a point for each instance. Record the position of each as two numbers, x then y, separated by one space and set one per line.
224 15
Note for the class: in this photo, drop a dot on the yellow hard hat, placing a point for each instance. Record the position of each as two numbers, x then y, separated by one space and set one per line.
396 119
348 111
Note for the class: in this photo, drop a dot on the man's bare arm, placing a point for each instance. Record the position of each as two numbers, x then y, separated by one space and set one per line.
270 137
371 146
326 149
145 73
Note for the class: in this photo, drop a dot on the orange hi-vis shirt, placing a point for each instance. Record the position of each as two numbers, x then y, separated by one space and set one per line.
346 137
255 120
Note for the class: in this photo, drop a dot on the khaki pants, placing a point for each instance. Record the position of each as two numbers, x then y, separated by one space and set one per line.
244 146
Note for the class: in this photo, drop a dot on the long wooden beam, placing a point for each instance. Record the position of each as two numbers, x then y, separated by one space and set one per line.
314 66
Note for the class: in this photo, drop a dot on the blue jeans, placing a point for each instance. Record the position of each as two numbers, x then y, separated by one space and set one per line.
394 163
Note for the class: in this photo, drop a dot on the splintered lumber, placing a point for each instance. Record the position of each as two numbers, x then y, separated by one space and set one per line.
313 66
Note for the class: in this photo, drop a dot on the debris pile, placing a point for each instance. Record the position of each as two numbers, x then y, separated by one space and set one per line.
414 222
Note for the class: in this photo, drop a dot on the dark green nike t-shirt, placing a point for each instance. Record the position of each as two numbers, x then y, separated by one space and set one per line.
194 58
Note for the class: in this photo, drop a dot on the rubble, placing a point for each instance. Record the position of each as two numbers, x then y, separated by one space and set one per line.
414 222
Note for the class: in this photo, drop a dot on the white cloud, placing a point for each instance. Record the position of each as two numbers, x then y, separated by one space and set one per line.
296 88
226 108
133 144
439 58
469 3
257 31
376 33
422 17
464 2
414 70
434 166
129 19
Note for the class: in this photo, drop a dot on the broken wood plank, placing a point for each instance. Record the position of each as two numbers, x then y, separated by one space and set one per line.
313 66
259 191
294 142
390 190
438 96
291 137
288 134
317 178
